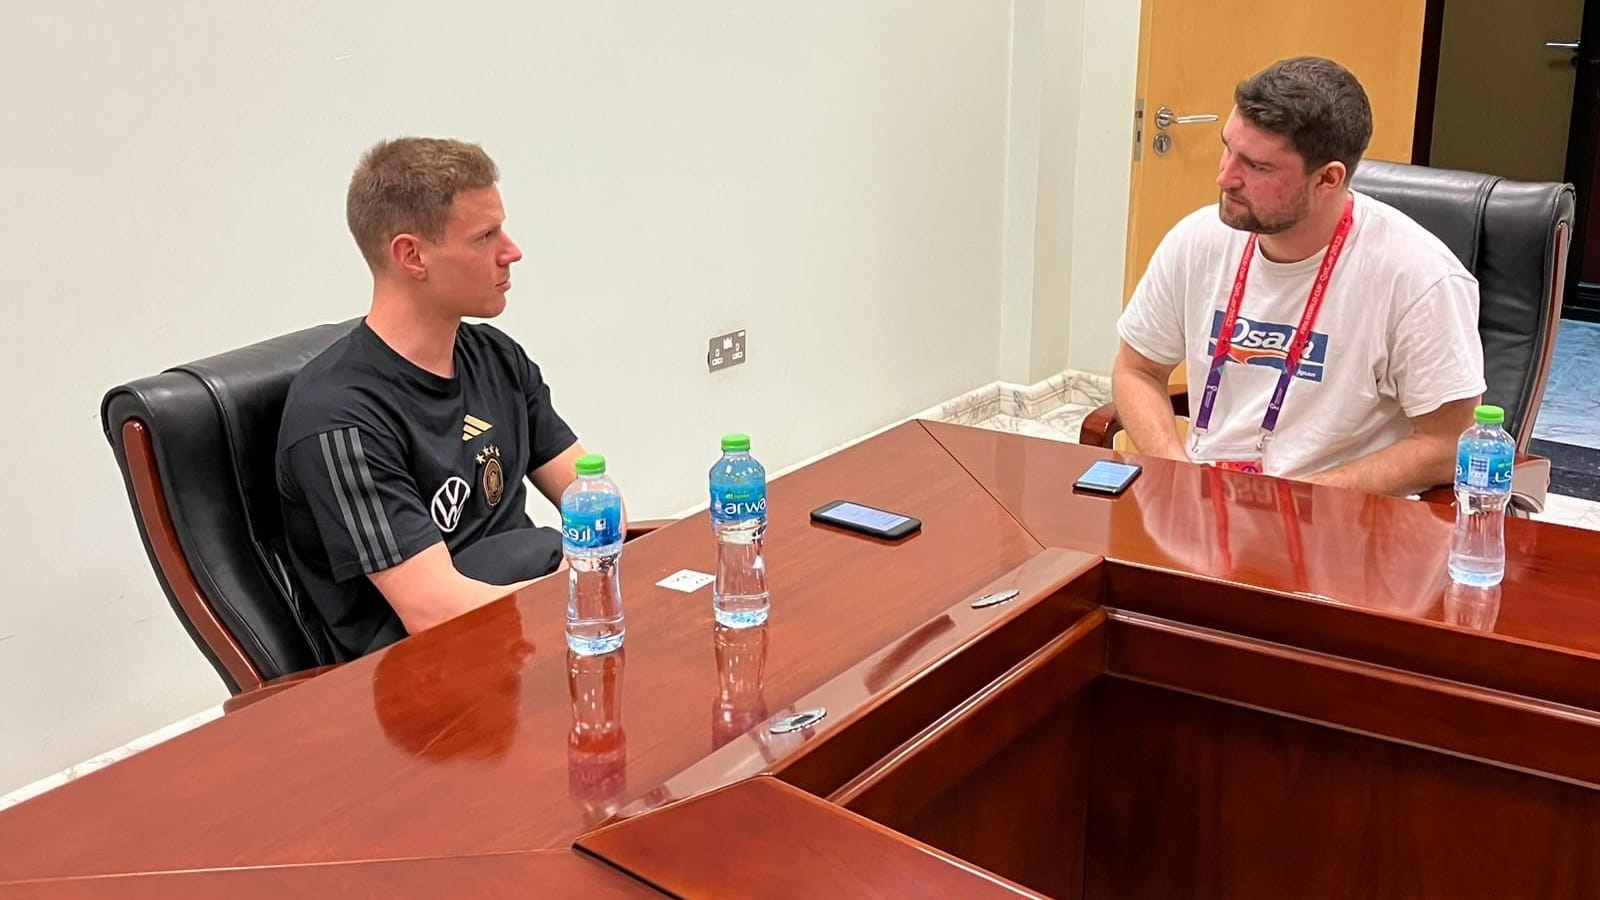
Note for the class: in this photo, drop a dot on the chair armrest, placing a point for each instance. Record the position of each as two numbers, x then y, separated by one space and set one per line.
1530 482
645 526
1102 425
275 686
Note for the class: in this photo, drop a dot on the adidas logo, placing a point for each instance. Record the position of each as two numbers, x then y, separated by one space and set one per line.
473 426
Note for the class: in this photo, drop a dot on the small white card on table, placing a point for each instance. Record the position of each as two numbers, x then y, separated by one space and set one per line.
686 580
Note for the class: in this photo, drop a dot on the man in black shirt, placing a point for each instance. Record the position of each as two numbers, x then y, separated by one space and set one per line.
403 446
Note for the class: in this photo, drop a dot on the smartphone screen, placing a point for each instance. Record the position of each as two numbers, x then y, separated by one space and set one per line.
866 519
1107 477
865 516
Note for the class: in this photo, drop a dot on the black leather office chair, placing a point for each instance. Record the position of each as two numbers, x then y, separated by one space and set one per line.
1513 236
196 445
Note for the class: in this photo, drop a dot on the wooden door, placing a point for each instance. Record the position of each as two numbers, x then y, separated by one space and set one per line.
1504 99
1191 55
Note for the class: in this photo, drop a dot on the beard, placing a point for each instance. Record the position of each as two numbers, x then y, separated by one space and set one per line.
1244 217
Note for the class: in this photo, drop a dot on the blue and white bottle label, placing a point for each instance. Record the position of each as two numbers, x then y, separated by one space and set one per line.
1483 472
591 530
735 503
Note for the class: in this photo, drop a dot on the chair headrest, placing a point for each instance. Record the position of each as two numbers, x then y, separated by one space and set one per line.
1448 203
249 386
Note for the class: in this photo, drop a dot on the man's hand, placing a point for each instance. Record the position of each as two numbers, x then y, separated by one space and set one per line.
1144 407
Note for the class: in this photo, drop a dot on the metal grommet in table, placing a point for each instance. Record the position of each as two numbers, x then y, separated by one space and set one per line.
995 599
798 721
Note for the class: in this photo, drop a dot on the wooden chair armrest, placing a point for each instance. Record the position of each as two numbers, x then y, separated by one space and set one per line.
645 526
276 685
1102 425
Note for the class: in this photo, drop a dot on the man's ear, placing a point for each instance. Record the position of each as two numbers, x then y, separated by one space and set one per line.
406 252
1333 178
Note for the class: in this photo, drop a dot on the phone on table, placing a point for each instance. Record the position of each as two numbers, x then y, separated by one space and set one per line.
1107 477
879 523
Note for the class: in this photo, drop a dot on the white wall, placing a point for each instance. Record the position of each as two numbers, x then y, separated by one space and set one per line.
1069 142
838 177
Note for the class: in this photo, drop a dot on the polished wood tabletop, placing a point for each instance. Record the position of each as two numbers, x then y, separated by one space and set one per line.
762 838
494 876
484 738
1367 571
483 735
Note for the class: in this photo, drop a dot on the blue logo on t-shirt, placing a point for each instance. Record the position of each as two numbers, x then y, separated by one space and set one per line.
1267 344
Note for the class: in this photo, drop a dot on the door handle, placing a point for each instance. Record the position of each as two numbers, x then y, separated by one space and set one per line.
1563 45
1165 118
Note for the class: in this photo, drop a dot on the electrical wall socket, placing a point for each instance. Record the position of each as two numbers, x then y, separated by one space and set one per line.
725 350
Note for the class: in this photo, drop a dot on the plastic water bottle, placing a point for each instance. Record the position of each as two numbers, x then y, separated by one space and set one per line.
1483 488
591 540
739 598
741 702
597 746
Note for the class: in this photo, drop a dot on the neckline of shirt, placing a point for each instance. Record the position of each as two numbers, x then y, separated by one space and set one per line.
1309 265
429 381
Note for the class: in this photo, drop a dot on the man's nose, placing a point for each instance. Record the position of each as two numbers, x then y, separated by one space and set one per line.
1228 174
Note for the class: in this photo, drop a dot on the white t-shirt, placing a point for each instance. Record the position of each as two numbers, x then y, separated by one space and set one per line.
1397 336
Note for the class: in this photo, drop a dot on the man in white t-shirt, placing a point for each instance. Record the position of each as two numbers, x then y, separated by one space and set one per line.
1392 368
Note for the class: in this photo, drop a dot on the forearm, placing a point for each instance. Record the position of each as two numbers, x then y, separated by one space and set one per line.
427 589
462 595
1408 466
1144 407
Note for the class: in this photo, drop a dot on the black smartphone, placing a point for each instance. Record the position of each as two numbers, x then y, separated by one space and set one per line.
1107 477
866 519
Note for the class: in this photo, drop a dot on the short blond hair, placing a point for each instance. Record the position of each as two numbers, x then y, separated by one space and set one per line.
406 186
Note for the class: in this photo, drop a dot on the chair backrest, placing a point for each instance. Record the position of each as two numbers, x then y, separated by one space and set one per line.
196 445
1513 236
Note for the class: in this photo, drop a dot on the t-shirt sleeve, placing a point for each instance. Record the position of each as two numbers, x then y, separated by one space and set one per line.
1152 323
1437 356
548 434
362 499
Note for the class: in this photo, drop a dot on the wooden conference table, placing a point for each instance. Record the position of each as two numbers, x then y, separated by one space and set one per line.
1217 686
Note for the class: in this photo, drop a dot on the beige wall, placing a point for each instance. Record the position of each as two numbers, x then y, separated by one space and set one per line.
1070 136
1505 101
867 188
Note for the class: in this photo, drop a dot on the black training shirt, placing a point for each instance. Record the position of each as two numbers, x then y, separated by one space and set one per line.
378 459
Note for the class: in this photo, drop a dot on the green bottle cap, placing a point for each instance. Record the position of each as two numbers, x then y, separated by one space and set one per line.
1489 415
736 443
592 464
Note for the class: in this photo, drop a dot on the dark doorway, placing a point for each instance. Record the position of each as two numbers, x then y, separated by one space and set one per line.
1512 87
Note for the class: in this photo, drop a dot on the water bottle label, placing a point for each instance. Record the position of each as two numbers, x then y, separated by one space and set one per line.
592 529
1484 473
736 502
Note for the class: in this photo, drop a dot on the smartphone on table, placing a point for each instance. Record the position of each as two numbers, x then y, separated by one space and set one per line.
880 523
1107 477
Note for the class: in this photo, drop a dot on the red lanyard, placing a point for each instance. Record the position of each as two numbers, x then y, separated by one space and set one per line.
1291 525
1297 344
